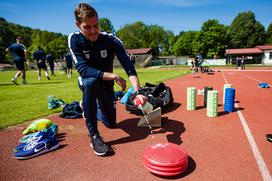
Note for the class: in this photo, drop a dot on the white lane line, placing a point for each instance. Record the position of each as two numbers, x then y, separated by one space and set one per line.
256 152
226 81
252 78
247 70
249 77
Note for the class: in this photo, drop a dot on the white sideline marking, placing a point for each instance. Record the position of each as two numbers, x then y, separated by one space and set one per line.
247 70
252 78
257 154
225 78
261 164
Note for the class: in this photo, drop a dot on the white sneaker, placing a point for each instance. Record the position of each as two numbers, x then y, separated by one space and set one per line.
14 81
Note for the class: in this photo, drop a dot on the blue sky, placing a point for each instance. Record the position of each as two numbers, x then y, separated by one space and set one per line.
173 15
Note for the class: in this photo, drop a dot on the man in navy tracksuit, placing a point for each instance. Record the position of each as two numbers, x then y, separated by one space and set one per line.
93 53
18 51
69 64
51 62
39 56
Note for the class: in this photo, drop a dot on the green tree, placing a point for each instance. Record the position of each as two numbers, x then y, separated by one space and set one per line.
8 34
245 31
132 35
106 25
158 39
54 43
4 39
139 35
269 34
183 45
211 40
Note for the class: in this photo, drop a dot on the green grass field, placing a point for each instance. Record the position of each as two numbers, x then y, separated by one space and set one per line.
20 103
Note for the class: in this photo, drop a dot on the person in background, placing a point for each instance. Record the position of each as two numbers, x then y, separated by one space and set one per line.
69 64
39 56
51 62
192 65
18 51
196 63
238 63
93 52
243 63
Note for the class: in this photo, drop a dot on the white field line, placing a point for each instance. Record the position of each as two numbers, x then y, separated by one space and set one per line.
257 154
246 70
252 78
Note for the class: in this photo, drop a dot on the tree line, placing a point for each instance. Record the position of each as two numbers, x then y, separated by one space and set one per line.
211 40
54 43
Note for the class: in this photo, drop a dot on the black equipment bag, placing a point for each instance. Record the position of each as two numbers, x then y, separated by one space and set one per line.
158 96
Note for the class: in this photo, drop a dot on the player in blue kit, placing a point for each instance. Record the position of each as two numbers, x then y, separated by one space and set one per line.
51 62
18 51
39 56
93 53
69 64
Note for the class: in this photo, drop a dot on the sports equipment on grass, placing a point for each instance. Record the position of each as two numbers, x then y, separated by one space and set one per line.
60 102
52 104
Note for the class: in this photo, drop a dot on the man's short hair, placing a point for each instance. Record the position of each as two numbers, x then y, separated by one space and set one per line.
19 38
84 10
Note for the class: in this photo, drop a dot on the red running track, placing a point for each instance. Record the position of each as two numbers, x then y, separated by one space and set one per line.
231 146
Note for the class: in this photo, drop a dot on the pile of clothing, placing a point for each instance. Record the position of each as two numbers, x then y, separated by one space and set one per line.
39 137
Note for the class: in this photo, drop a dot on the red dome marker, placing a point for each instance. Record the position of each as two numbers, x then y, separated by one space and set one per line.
165 159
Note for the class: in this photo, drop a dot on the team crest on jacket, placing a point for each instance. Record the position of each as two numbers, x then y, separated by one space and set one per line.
87 54
103 53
